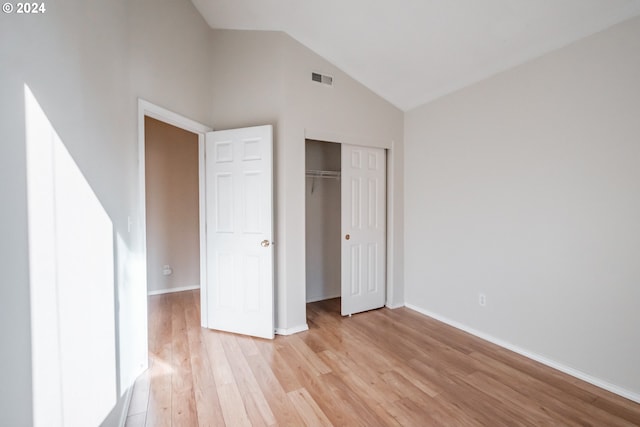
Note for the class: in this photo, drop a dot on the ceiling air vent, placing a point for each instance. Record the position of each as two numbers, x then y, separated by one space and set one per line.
321 78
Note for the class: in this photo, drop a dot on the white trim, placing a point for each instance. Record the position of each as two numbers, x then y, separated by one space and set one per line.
127 403
389 231
168 116
343 138
538 358
323 297
172 290
395 306
291 331
146 108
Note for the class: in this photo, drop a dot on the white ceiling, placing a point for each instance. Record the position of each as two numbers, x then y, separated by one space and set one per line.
413 51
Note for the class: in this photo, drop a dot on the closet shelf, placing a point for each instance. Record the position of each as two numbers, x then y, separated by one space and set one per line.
323 174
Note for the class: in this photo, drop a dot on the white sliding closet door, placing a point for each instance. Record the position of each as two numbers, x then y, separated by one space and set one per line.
363 228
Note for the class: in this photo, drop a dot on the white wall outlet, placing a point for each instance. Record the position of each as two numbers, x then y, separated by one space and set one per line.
482 300
167 270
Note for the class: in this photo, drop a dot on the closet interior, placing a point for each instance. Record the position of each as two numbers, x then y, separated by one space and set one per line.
323 220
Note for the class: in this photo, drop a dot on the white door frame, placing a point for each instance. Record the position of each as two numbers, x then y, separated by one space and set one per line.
321 135
146 108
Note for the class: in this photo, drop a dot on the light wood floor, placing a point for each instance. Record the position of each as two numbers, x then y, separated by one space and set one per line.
381 368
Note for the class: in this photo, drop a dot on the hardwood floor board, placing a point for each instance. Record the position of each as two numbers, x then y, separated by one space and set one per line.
442 380
159 407
442 412
233 410
248 346
408 344
531 411
308 410
280 366
257 406
319 342
427 343
406 413
488 406
452 337
403 388
183 409
274 393
220 367
358 405
417 381
332 404
378 368
160 370
371 386
311 358
357 345
384 415
181 377
208 409
551 397
623 408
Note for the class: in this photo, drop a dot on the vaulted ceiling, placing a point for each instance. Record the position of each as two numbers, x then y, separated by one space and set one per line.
413 51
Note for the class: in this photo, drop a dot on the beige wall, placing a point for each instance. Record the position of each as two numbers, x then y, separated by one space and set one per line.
526 187
323 223
171 169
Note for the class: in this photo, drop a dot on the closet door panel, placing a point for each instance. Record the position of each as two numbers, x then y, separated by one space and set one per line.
363 228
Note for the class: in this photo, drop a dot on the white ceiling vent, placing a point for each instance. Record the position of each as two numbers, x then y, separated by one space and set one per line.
321 78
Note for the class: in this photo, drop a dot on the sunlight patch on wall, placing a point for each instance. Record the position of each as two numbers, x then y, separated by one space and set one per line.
71 264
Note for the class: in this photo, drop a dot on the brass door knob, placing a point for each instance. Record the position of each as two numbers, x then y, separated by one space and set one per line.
265 243
347 237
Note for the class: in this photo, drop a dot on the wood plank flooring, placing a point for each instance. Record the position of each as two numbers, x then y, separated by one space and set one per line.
380 368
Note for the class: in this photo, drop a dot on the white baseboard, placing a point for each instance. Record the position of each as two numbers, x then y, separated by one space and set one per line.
394 306
127 404
538 358
323 297
171 290
291 331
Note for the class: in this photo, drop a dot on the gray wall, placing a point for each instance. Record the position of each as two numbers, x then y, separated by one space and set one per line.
87 63
265 78
526 187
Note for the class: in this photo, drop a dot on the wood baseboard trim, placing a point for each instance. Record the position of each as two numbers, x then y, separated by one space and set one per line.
526 353
172 290
291 331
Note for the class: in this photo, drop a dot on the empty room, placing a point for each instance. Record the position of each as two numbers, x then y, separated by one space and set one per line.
349 213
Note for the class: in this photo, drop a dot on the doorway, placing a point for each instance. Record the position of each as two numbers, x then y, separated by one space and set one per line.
149 110
172 223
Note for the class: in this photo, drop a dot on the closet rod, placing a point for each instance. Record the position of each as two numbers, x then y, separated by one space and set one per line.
323 174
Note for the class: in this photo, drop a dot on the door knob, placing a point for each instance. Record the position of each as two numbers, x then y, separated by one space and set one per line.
265 243
347 237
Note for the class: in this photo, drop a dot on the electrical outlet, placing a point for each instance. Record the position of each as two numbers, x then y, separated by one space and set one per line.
482 299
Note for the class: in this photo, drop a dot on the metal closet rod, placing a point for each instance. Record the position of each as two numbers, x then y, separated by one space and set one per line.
323 174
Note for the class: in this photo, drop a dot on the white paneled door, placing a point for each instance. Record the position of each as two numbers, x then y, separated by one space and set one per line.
239 218
363 228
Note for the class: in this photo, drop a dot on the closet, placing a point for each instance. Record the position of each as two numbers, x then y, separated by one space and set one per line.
346 225
323 214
